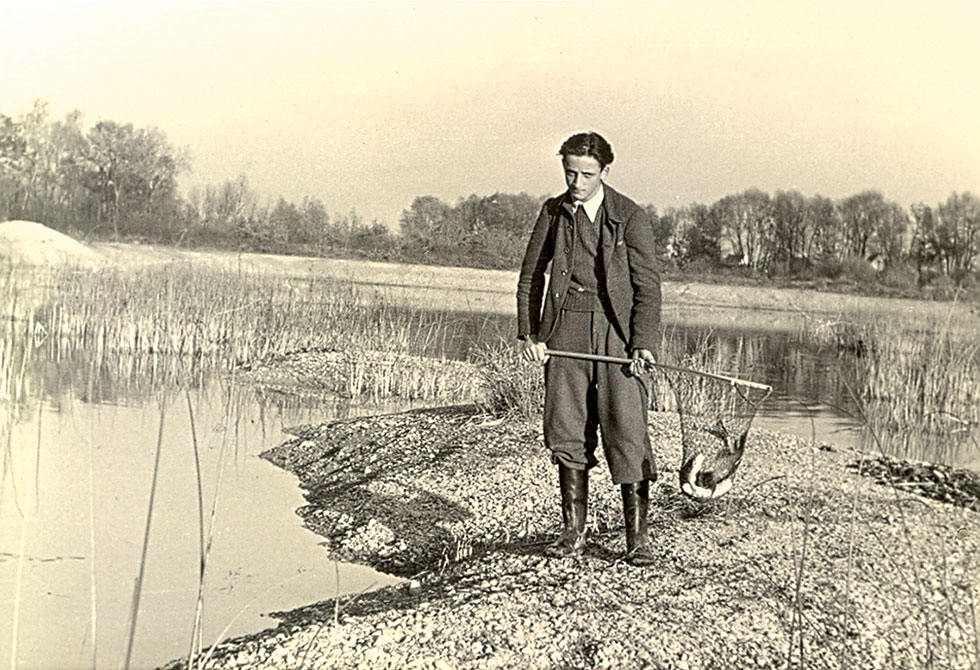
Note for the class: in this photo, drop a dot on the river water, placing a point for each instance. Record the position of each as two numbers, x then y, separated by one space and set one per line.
79 474
73 517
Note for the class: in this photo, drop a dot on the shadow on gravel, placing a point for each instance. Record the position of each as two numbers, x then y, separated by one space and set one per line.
392 533
361 480
455 581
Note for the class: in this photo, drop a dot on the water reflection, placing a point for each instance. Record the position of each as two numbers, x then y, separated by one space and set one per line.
73 510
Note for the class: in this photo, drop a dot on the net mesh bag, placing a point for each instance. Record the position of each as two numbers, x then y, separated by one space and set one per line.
715 414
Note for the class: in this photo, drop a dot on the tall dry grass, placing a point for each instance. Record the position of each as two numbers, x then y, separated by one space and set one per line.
138 585
920 382
188 311
914 381
173 326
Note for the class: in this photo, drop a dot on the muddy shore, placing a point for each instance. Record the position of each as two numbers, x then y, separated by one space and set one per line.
809 561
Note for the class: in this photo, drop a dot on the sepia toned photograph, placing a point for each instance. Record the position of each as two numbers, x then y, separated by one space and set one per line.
489 335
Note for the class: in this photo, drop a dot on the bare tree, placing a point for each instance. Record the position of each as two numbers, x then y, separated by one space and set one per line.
131 167
746 222
792 228
873 226
824 219
955 233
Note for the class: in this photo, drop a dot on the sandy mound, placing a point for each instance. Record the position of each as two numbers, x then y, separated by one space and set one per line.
29 243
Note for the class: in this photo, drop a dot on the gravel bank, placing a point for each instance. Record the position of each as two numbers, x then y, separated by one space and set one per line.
805 562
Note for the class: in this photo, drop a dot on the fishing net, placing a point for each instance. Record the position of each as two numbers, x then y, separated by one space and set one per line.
715 413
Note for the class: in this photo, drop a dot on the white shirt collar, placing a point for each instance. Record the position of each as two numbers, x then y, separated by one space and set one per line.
593 204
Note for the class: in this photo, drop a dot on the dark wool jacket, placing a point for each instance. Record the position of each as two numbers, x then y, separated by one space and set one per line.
628 256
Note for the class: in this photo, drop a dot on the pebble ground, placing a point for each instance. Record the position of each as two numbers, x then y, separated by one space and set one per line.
806 563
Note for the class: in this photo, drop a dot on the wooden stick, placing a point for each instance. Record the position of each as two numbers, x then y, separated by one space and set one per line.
662 366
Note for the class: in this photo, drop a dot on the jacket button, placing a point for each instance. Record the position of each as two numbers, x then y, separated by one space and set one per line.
557 294
568 250
564 272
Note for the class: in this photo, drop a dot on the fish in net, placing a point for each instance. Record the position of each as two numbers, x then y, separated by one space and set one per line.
715 412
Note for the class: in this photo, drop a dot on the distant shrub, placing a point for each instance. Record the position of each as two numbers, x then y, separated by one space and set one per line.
942 287
965 279
742 272
829 268
798 268
669 264
900 275
972 281
699 265
858 270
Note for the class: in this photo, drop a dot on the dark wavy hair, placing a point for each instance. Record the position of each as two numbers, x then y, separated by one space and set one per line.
588 144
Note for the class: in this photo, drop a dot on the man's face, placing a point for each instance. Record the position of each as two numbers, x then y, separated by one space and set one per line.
583 175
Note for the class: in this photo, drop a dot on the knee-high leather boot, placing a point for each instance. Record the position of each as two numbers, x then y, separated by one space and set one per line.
574 486
636 498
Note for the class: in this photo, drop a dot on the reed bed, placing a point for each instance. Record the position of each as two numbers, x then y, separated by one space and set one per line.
172 326
920 391
194 312
914 382
922 380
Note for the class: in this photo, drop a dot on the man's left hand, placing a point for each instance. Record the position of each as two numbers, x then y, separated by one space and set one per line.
642 360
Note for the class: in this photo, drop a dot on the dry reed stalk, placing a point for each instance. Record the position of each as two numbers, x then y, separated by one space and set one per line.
93 614
19 579
198 630
915 583
231 622
798 615
138 586
200 525
976 626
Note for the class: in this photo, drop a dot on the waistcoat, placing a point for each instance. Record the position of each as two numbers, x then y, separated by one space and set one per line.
583 289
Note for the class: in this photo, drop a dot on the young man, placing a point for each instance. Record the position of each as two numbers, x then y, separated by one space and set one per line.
603 297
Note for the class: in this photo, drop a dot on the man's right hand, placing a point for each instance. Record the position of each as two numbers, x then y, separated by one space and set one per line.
533 351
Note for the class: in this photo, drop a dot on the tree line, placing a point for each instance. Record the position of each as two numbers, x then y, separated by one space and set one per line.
117 181
863 237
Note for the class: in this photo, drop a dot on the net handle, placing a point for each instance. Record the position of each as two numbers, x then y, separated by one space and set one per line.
662 366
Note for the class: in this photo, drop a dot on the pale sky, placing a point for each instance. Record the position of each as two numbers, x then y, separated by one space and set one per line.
367 105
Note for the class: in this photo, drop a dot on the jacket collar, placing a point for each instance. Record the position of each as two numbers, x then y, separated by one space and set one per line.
616 204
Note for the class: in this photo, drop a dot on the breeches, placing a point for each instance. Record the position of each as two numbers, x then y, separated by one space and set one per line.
583 398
